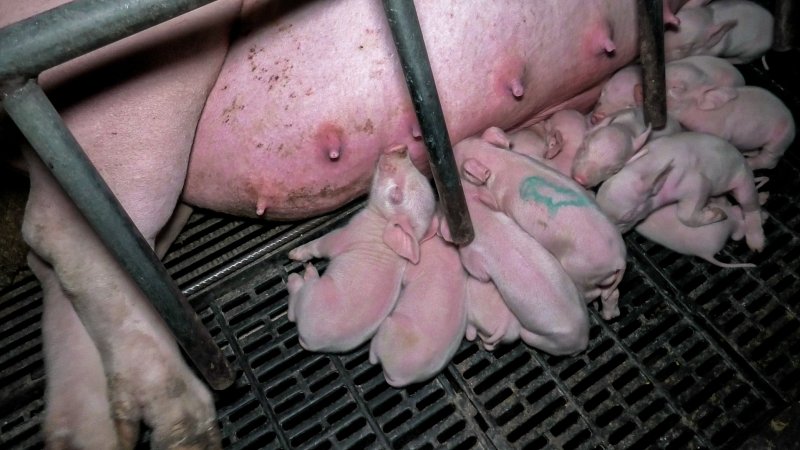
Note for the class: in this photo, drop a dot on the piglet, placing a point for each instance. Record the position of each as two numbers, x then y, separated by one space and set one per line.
530 280
551 208
624 89
737 30
703 70
684 168
751 118
426 327
488 317
342 309
663 227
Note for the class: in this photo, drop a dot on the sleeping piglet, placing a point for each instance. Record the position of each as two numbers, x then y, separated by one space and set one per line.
737 30
624 89
663 227
530 280
751 118
426 327
551 208
684 168
342 309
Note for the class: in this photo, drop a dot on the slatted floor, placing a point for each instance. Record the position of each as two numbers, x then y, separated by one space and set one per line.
701 357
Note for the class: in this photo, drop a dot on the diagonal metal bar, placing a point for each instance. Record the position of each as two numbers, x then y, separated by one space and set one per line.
38 120
402 17
73 29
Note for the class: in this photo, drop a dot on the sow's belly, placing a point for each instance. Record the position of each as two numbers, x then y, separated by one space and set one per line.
309 93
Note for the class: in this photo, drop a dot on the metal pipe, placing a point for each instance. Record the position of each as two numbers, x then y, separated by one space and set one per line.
402 17
38 120
651 53
785 33
73 29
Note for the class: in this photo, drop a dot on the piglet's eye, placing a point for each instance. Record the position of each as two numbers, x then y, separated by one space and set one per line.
395 195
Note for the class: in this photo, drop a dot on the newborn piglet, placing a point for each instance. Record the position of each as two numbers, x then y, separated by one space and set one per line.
751 118
737 30
686 168
342 309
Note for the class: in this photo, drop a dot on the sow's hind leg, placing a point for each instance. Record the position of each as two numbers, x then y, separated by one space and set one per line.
133 106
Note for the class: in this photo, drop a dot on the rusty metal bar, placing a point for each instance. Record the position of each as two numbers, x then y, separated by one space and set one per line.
651 53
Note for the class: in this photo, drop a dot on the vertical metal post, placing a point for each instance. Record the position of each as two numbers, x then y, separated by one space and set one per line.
38 120
402 17
785 33
651 52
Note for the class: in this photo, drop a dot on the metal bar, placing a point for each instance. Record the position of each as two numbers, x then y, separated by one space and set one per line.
651 53
73 29
402 17
38 120
785 33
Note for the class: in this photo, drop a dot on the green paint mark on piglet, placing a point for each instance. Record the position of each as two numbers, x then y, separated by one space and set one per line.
554 197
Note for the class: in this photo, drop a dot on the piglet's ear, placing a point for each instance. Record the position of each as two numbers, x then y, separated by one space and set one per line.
433 228
497 137
717 32
717 97
444 231
475 172
660 178
638 155
639 141
603 123
398 236
555 143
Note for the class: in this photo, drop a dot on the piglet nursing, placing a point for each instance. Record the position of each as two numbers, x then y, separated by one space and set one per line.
342 309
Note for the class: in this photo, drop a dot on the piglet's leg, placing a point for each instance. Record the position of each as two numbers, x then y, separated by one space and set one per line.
327 246
693 208
750 201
